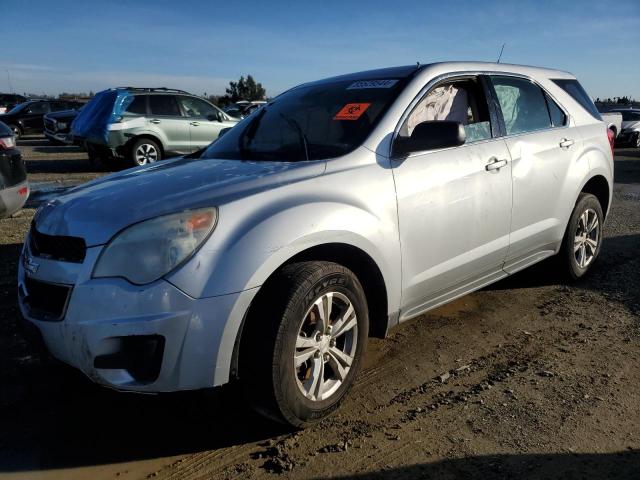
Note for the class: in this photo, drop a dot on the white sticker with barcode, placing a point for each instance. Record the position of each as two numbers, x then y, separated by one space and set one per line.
372 84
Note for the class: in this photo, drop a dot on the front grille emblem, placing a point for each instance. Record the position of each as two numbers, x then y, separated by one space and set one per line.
29 264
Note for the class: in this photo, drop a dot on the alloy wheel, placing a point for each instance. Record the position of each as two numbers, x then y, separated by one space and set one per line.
325 346
587 238
146 153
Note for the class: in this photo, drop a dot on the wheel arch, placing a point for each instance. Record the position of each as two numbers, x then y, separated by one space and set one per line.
349 256
148 136
597 185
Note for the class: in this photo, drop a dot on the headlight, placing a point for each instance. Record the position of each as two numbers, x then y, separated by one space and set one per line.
146 251
62 125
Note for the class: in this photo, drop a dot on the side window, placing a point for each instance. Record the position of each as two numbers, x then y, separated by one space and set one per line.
460 101
164 105
138 105
194 107
522 103
558 117
573 88
58 106
37 108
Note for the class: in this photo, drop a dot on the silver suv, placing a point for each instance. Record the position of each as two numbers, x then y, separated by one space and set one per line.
336 211
144 125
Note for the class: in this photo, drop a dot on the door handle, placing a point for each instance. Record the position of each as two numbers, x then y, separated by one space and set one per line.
155 120
194 124
566 143
495 164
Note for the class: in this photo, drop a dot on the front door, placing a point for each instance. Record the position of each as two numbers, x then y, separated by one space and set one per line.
454 204
33 117
205 121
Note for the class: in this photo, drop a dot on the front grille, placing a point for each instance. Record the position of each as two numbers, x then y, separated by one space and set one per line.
49 124
57 247
46 301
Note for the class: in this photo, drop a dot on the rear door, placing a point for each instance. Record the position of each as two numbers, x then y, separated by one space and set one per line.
167 122
543 145
205 121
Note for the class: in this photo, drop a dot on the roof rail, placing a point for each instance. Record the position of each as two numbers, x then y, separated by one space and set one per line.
152 89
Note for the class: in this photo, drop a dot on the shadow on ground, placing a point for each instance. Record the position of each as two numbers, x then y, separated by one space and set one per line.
614 466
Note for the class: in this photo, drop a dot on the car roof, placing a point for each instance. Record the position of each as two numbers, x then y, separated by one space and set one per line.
411 70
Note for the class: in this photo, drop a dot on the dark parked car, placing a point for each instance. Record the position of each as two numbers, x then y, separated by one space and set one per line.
57 126
28 116
10 100
14 189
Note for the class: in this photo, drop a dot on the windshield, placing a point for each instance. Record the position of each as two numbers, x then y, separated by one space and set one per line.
17 108
311 122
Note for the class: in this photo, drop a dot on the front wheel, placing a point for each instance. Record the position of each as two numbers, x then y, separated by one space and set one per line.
304 342
583 238
16 131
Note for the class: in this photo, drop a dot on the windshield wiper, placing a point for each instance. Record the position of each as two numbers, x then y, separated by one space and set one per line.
297 128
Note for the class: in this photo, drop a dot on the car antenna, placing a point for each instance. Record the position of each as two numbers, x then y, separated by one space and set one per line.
501 50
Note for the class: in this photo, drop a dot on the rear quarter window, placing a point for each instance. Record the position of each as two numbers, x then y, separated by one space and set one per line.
573 88
138 105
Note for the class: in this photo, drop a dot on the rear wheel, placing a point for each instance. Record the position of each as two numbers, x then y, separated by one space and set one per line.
583 237
144 151
304 342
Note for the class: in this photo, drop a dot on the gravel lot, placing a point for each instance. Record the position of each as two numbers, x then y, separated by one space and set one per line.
532 377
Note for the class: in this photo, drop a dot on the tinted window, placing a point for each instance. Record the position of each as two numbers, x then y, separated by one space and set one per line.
195 107
522 103
630 116
573 88
138 105
163 105
58 106
36 108
558 118
314 122
459 101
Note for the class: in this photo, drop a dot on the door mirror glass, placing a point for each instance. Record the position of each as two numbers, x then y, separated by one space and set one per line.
431 135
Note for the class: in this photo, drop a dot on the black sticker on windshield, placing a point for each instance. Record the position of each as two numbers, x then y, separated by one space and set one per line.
372 84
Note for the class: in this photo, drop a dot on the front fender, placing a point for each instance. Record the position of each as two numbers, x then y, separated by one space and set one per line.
243 255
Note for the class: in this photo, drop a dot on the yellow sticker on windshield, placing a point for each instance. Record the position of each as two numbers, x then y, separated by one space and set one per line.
351 111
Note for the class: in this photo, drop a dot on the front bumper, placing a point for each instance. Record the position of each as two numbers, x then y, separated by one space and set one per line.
151 338
13 199
61 137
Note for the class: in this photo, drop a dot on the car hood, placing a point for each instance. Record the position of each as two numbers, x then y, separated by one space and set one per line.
63 115
99 209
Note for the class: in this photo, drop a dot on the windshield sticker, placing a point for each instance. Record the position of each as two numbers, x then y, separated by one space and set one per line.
352 111
372 84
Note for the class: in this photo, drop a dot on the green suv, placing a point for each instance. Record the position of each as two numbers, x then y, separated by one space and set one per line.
144 125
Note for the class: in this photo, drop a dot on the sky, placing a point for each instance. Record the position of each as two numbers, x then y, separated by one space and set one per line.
55 46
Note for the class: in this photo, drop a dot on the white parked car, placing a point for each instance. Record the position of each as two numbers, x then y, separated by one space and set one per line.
338 210
630 133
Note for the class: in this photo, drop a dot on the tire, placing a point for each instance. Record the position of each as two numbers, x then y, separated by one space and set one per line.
144 151
96 161
283 329
580 246
17 132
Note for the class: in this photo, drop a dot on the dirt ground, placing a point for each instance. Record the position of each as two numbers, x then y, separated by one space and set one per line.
532 377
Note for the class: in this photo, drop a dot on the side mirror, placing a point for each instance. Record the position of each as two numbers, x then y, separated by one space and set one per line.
431 135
